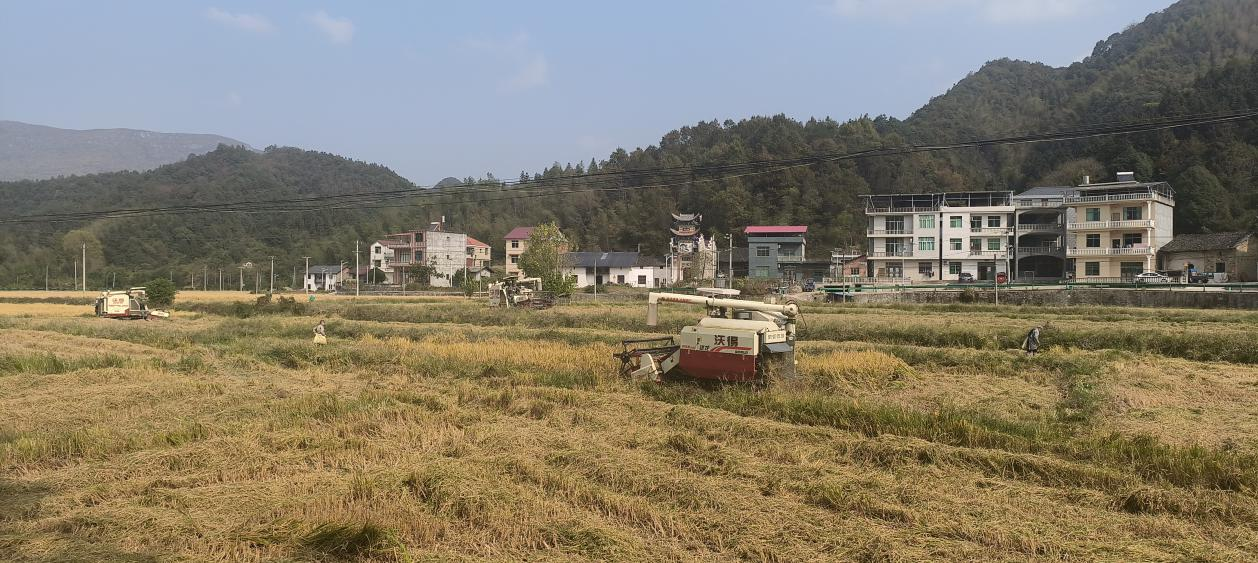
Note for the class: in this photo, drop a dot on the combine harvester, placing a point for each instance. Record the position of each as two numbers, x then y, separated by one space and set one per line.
738 341
131 304
527 292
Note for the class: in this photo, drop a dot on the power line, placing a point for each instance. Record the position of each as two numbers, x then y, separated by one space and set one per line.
613 181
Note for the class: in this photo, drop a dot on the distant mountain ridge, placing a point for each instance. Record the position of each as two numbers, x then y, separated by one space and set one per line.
34 152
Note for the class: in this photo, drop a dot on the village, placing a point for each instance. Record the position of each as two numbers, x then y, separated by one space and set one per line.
1115 232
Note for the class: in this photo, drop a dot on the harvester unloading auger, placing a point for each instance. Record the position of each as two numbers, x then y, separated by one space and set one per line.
738 340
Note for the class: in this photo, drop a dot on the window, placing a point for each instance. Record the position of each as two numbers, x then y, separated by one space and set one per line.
993 221
1132 213
895 224
515 244
955 222
620 278
993 244
762 251
1220 268
976 245
926 221
419 256
976 223
926 243
1130 269
1091 268
855 271
641 279
954 243
1092 214
954 268
760 272
895 270
1092 241
1132 239
925 269
515 259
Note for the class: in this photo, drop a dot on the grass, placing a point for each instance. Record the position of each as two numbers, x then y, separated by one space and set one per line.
442 429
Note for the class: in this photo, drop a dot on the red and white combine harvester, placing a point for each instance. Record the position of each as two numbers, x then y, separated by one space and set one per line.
738 340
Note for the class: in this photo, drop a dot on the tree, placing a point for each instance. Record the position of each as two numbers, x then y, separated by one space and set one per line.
544 259
161 292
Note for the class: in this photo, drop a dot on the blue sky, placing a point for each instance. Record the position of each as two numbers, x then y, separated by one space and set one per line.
435 89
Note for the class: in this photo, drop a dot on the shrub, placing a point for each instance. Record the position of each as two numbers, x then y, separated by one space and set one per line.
161 292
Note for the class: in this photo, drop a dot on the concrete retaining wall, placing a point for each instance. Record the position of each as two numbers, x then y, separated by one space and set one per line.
1079 296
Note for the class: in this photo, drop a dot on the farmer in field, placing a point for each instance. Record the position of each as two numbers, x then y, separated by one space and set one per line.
1032 342
320 333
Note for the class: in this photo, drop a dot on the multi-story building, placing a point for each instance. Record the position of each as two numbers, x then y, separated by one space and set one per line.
443 252
774 250
477 255
925 237
624 268
1040 233
1117 227
517 241
380 255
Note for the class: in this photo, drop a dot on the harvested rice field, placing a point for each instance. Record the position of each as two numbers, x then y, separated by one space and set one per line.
433 430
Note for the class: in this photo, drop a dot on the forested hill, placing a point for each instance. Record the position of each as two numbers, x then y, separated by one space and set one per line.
1194 58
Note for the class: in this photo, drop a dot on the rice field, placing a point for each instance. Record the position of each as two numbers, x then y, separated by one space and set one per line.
431 429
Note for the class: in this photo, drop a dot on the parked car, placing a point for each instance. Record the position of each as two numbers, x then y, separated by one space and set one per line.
965 277
1200 277
1152 277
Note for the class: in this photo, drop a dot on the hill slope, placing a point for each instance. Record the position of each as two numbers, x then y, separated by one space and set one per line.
35 151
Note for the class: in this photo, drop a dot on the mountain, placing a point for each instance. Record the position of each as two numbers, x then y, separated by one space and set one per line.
1196 57
35 151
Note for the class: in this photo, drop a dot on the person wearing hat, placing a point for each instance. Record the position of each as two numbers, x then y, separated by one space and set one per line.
320 333
1032 342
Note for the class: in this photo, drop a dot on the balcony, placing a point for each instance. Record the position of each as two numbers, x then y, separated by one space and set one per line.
875 210
888 232
906 253
992 230
1130 251
1040 227
1120 197
1040 203
993 254
1041 251
1102 225
792 258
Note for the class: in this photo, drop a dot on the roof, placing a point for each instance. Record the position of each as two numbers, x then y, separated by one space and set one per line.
519 233
1206 241
602 259
324 270
650 261
1048 191
687 216
774 229
473 242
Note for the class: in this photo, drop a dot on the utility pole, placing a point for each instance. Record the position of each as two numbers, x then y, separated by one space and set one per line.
205 277
242 277
357 282
257 282
85 266
294 277
220 279
45 277
271 286
306 276
731 259
76 273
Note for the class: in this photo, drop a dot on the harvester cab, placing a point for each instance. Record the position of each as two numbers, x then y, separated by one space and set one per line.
738 341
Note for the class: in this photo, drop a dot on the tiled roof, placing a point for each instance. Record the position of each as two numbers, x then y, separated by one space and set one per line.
1206 241
772 229
519 233
473 242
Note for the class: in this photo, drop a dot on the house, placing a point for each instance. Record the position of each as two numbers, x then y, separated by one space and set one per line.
771 248
517 241
322 278
939 236
1040 234
477 255
1116 228
625 268
1235 255
847 264
378 259
443 252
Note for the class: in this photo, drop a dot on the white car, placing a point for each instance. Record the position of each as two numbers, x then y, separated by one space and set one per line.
1152 277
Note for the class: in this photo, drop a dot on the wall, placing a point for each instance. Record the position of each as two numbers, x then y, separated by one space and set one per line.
1081 296
446 253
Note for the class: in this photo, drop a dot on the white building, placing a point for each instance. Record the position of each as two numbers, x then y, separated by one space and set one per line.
379 259
322 278
925 237
624 268
1116 228
446 255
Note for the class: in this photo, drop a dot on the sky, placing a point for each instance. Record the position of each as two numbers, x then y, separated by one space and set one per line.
437 89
